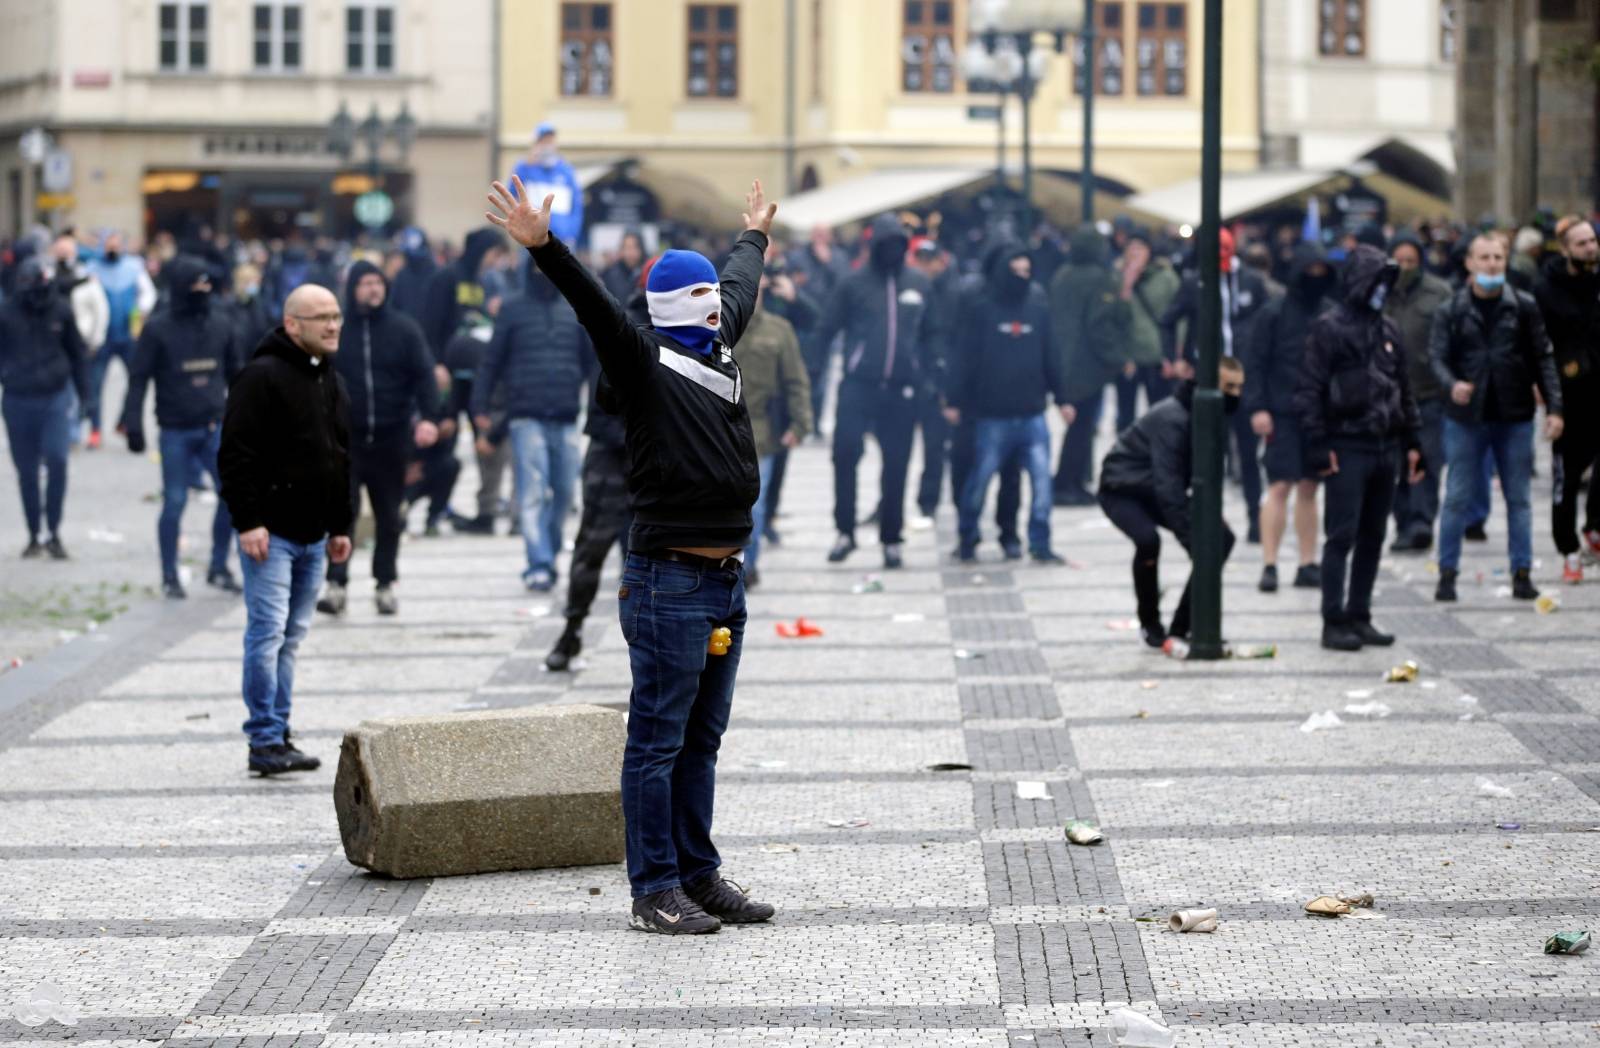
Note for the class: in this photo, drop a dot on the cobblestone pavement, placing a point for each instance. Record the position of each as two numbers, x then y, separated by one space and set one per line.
174 899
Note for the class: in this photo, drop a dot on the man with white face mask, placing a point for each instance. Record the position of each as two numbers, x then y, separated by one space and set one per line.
692 480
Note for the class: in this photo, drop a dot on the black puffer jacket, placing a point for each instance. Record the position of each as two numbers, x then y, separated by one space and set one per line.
1003 360
40 348
386 366
1277 338
1511 355
881 298
1153 456
539 353
1355 387
190 348
1570 303
456 288
285 458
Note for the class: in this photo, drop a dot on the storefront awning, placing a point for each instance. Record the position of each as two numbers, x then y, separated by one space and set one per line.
863 197
1245 193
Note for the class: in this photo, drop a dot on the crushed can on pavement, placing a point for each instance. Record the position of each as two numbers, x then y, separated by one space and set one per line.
1080 831
1547 604
1404 673
1567 942
1193 921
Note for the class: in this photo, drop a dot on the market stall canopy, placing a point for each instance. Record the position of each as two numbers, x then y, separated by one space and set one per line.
1245 193
861 198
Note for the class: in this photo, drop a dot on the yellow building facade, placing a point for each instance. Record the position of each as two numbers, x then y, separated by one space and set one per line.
808 93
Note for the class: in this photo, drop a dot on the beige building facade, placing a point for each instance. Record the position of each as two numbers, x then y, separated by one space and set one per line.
180 115
812 93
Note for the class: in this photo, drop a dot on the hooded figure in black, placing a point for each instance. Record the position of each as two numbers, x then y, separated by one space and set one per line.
191 350
1273 349
458 287
388 376
1357 416
1569 298
409 291
1004 364
41 355
883 311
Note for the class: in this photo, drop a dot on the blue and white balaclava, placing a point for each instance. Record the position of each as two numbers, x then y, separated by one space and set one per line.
674 309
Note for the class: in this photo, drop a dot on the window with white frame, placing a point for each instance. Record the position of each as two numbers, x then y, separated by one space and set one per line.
275 36
183 35
369 29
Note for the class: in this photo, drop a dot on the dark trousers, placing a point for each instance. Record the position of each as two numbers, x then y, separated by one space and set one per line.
432 476
778 415
677 712
381 469
180 450
1148 378
1355 518
889 413
1138 516
1074 472
1248 451
39 428
1416 506
114 349
1008 505
604 522
1576 451
935 454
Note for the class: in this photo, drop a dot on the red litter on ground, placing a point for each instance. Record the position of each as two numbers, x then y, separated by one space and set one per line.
801 627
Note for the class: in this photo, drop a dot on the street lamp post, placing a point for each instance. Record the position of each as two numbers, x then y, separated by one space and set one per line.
374 207
1087 185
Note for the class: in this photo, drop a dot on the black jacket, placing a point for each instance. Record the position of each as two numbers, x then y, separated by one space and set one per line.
252 320
881 297
1276 341
693 474
1152 457
285 457
40 348
1004 363
1570 303
540 355
1505 360
455 289
1247 293
386 367
409 291
1355 385
191 350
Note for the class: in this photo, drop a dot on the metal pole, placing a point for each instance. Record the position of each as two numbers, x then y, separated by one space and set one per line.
788 98
1025 48
494 94
1000 147
1206 509
1086 186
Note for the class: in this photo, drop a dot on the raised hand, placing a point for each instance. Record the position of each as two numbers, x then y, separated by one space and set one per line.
758 213
528 225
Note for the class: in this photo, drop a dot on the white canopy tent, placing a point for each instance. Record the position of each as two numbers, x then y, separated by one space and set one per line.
861 198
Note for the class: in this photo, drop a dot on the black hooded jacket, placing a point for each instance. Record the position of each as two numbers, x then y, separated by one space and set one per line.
1152 458
190 349
1276 343
409 292
539 353
1570 303
1503 360
883 310
455 289
40 348
386 367
285 457
1355 385
1004 361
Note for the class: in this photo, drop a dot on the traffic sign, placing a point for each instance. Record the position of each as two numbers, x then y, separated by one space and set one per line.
34 144
983 112
55 175
374 209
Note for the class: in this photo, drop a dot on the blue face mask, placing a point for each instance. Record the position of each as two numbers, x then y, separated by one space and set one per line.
1488 282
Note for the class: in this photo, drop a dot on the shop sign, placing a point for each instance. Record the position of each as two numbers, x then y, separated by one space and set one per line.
374 209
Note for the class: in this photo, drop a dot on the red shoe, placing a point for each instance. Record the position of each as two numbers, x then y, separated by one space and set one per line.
94 440
1592 538
1572 570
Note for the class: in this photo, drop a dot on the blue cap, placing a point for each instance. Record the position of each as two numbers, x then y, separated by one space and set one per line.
546 128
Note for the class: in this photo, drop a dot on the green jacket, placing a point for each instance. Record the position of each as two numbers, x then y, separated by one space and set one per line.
769 361
1411 307
1157 287
1088 318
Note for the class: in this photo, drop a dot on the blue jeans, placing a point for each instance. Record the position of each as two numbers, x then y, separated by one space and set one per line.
546 463
39 428
758 514
1003 440
677 713
280 594
114 349
1511 445
181 451
1416 506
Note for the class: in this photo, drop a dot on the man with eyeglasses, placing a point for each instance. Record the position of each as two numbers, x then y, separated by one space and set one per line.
285 465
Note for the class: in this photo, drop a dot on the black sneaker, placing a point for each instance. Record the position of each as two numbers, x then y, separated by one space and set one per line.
172 589
1308 576
1522 586
893 556
1341 638
843 546
299 761
54 547
224 581
1446 590
1047 556
1372 636
268 760
1253 536
1475 533
727 901
672 912
1011 548
1154 636
1070 497
332 601
1269 579
966 555
475 526
567 648
33 550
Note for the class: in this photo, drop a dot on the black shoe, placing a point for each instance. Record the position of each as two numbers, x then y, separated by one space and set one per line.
1308 576
567 648
843 546
1522 586
1341 638
1475 533
1372 636
1073 497
672 912
33 550
224 581
727 902
299 761
269 760
968 554
1012 549
387 602
1446 590
752 578
893 556
1154 636
1046 556
332 601
1269 579
476 526
54 547
1403 544
1422 540
172 589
